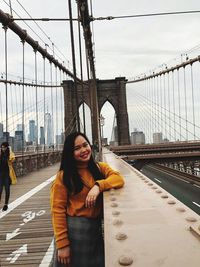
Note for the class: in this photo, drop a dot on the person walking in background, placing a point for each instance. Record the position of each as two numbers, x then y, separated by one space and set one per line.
77 204
7 173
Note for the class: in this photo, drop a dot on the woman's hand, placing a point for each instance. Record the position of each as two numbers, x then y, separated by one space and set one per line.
64 255
92 196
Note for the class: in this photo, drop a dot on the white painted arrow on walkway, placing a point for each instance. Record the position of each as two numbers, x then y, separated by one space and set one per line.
13 234
15 254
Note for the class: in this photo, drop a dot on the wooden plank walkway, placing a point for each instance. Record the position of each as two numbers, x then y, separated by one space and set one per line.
25 229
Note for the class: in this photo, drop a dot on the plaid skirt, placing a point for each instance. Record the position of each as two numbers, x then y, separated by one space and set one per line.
86 242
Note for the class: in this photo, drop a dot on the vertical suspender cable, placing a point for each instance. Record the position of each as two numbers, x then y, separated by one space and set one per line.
12 105
56 109
179 102
169 103
36 104
44 101
62 110
186 121
173 99
52 111
10 8
74 63
193 111
165 110
160 101
151 110
157 101
6 78
81 68
149 100
23 123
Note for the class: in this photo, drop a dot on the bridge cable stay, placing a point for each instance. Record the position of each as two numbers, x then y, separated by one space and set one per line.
6 77
185 98
23 103
193 110
36 104
85 22
18 98
169 104
146 104
179 101
56 141
6 20
140 110
45 34
62 108
81 70
167 98
74 63
92 22
180 123
173 99
44 101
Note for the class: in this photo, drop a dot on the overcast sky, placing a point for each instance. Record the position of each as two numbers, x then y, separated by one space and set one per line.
123 47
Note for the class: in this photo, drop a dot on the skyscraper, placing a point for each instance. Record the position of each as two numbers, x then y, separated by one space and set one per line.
42 135
18 141
48 129
157 138
1 130
137 137
32 131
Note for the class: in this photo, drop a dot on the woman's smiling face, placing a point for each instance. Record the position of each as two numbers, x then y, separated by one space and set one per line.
82 150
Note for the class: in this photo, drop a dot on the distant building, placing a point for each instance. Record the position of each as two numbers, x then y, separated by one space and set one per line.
32 131
114 138
137 137
7 138
19 127
42 139
157 138
1 130
18 141
48 129
60 139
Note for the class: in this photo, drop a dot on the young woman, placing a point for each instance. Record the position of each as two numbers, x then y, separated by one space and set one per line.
77 204
7 173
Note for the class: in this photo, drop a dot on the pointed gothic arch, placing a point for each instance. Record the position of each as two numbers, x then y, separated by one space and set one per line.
113 90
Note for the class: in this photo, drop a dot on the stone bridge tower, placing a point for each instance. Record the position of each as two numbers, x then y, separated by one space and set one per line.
113 91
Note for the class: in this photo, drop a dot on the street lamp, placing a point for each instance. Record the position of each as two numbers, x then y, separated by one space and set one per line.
102 123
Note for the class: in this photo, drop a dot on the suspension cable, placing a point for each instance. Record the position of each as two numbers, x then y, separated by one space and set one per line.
81 69
36 106
6 77
44 101
23 122
185 95
74 63
193 112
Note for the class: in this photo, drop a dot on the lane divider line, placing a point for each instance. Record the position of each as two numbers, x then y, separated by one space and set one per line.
26 196
196 204
157 180
48 256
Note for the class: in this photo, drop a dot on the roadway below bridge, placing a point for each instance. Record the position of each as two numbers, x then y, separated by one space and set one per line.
185 191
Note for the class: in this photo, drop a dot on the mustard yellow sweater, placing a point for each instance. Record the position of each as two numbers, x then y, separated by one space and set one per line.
63 204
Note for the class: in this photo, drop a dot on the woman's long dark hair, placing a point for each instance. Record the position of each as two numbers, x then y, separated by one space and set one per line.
71 177
5 153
